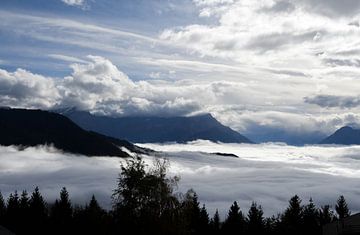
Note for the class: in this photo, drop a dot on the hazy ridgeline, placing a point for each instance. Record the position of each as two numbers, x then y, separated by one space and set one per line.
145 202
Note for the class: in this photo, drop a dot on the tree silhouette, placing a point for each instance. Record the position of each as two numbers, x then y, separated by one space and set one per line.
23 216
204 221
128 197
92 219
61 213
273 225
12 212
326 215
24 201
255 220
342 208
143 200
311 219
234 222
2 209
38 212
191 212
215 223
292 218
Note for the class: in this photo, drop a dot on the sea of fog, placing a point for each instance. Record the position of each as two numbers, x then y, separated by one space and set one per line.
266 173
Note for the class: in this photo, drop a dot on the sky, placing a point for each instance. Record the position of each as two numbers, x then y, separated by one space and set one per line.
274 70
269 174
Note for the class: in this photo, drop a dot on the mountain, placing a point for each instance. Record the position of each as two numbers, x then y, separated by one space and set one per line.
345 135
156 129
23 127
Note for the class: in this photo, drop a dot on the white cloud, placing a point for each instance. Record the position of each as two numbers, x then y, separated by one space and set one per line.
74 2
99 86
269 174
155 75
25 89
269 33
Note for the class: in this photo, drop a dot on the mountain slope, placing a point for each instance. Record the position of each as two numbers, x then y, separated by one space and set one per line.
157 129
35 127
345 135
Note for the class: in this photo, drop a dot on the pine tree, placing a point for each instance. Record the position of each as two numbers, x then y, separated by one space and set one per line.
191 212
2 209
65 204
326 215
311 219
23 212
38 213
37 206
12 212
234 222
24 201
61 212
255 220
215 223
272 225
292 218
342 208
91 219
203 221
95 214
94 205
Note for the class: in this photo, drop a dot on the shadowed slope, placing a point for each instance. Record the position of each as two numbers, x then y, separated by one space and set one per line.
35 127
345 135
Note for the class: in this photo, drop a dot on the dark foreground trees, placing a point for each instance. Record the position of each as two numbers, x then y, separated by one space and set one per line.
145 201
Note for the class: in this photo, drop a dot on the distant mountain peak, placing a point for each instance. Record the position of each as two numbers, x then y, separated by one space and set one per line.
151 129
345 128
205 115
346 135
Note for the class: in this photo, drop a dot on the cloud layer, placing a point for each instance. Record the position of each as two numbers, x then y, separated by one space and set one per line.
269 174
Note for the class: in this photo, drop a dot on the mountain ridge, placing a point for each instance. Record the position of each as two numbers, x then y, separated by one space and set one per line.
151 129
24 127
